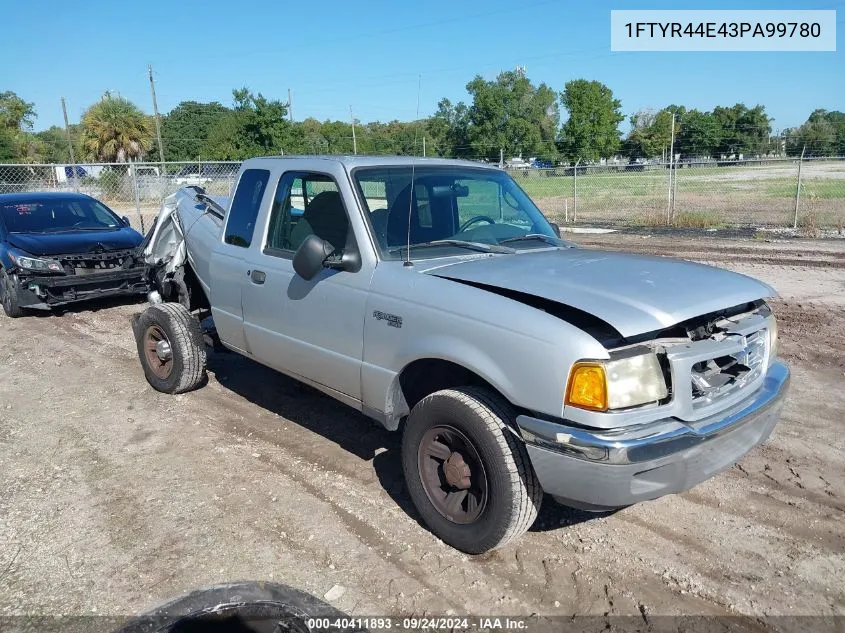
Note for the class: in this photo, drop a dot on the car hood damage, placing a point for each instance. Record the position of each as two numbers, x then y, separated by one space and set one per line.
635 294
74 241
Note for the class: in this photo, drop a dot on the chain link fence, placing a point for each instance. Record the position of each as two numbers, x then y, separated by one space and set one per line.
132 189
761 193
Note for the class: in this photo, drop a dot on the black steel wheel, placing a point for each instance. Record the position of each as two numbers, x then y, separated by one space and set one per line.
467 473
452 474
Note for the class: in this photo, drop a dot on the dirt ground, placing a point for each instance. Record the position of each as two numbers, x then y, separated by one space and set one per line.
115 498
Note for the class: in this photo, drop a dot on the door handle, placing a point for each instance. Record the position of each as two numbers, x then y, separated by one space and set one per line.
257 277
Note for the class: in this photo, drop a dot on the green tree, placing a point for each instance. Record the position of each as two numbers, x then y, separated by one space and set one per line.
8 147
511 114
447 130
698 134
185 129
53 144
650 135
592 130
308 138
742 130
338 136
15 113
823 134
115 130
16 120
255 126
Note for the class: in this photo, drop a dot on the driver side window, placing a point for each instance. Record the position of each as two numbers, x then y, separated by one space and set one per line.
306 204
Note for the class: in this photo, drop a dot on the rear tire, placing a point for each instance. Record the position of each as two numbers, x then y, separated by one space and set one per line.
457 442
170 347
9 296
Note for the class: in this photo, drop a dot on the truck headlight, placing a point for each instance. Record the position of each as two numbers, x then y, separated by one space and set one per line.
36 264
617 383
773 338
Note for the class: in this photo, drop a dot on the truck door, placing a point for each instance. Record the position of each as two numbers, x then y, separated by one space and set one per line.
313 329
228 260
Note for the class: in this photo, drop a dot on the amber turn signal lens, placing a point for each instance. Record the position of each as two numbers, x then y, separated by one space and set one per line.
587 387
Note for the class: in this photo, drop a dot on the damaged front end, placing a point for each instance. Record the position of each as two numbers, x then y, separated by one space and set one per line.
44 283
172 271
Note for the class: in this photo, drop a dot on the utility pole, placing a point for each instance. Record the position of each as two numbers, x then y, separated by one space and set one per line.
157 120
423 145
354 141
671 161
290 107
70 147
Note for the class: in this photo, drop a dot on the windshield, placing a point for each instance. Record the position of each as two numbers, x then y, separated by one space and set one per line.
464 204
53 215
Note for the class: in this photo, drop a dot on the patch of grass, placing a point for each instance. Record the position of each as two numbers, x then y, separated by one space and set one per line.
809 224
697 220
823 189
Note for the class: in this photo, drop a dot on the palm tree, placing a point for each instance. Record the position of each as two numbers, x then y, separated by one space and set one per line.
115 130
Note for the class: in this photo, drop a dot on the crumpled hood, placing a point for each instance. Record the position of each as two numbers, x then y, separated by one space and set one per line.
633 293
75 241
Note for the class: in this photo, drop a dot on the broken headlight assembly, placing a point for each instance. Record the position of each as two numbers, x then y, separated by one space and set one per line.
773 338
630 379
35 264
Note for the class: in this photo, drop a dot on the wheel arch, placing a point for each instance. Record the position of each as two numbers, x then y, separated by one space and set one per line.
425 375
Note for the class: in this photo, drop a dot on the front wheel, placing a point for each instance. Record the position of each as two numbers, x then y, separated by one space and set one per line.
170 347
9 295
468 476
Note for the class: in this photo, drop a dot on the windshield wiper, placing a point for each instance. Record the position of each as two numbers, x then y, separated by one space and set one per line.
473 246
548 239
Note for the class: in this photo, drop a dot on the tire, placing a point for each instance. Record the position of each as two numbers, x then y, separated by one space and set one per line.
240 606
183 368
9 296
476 421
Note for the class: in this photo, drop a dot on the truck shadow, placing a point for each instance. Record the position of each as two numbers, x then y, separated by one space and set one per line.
347 428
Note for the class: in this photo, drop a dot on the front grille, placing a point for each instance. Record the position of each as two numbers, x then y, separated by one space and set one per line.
719 377
94 263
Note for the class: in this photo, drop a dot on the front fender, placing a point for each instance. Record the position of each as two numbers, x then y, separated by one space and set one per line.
522 352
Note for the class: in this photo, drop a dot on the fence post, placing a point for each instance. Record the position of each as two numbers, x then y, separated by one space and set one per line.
671 160
674 190
575 191
136 194
798 189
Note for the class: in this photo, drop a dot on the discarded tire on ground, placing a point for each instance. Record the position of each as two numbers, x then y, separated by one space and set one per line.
239 607
170 347
470 479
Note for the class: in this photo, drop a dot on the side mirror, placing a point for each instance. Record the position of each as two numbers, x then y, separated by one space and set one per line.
555 228
126 221
309 257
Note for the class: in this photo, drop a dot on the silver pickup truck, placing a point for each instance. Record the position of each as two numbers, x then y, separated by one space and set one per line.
433 296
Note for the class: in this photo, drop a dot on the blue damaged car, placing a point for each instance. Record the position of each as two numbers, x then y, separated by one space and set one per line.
58 248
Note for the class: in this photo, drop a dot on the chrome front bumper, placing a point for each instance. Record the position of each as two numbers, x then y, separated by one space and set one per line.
608 468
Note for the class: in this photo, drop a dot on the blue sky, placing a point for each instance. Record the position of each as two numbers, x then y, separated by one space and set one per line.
370 55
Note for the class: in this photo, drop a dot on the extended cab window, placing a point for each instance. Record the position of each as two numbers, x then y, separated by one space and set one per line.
306 204
241 223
